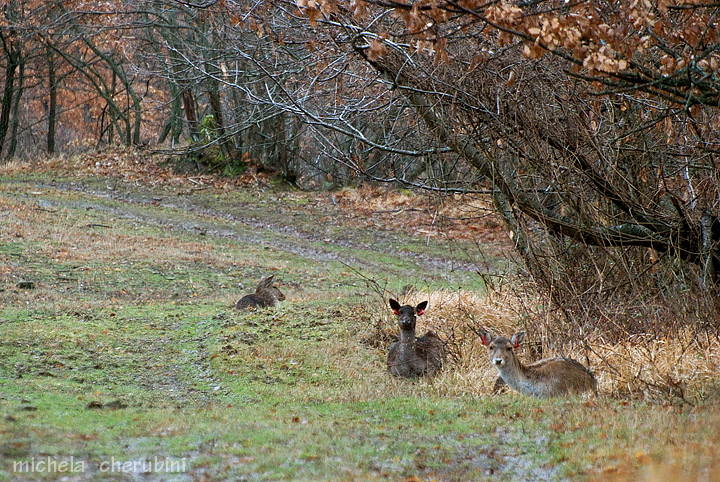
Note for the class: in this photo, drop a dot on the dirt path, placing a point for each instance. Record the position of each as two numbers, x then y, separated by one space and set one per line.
167 209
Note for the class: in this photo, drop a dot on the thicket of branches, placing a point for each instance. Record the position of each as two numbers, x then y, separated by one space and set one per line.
594 126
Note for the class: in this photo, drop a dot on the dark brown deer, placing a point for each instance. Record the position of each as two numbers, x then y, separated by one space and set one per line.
549 377
266 294
412 357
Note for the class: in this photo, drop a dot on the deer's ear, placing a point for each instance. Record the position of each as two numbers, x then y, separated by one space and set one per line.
266 283
517 338
420 309
395 306
485 338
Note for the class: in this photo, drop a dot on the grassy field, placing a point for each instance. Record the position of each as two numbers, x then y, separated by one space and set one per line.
121 357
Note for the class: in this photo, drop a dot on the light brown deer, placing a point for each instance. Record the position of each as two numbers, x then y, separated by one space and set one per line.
549 377
412 357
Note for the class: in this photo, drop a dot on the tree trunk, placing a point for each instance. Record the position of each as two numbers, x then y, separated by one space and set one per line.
110 128
191 114
52 107
9 91
15 117
138 114
216 109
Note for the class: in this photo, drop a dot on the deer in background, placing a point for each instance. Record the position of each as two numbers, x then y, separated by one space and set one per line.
266 294
548 377
410 356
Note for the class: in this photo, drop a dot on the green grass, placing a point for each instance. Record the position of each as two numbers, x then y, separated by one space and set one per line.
128 349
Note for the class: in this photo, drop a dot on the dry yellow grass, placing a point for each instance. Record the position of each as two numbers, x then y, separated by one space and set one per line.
451 217
128 164
679 367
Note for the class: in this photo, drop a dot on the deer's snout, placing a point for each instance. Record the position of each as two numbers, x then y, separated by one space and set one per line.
406 323
498 361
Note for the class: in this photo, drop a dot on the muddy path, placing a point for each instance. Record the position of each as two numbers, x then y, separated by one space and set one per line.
317 232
